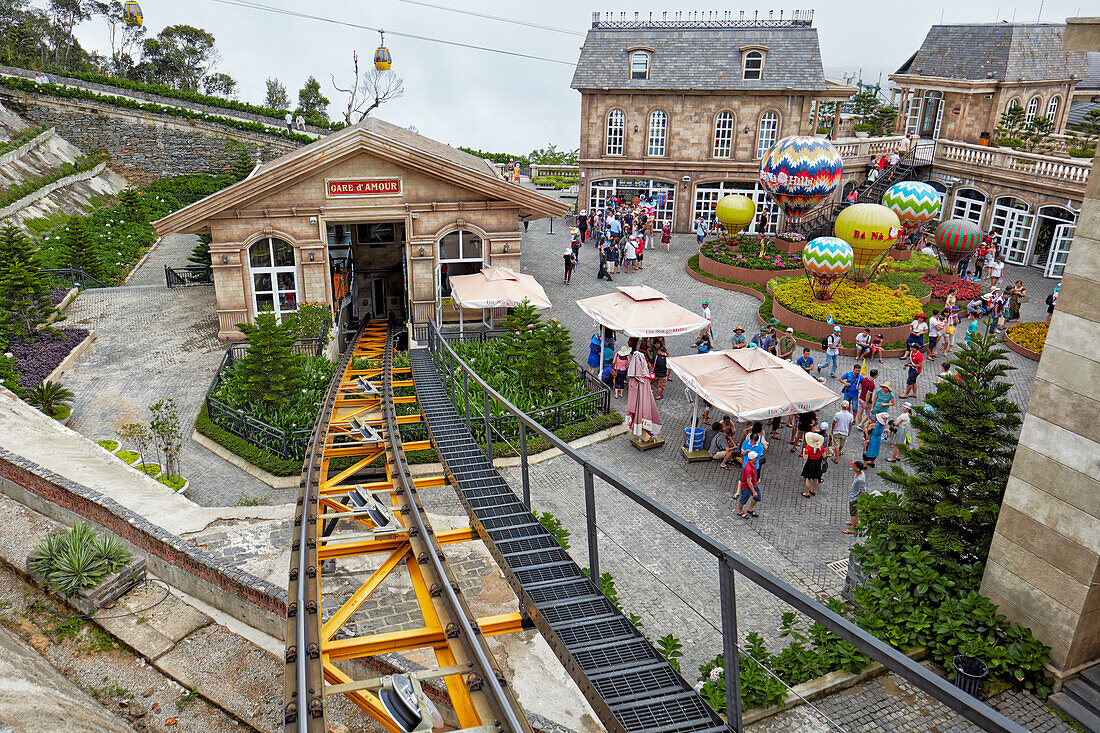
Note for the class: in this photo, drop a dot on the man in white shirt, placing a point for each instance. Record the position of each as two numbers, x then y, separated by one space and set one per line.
841 427
894 159
832 352
289 122
904 145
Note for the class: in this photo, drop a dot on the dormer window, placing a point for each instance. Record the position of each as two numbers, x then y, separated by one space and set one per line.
639 65
752 64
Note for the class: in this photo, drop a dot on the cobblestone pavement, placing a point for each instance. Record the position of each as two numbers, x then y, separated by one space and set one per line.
662 577
152 343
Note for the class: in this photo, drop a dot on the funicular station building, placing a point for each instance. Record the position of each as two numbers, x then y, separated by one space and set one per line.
371 220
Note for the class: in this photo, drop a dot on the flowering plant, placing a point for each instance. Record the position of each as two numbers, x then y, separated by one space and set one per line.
756 253
964 289
872 305
1031 335
791 236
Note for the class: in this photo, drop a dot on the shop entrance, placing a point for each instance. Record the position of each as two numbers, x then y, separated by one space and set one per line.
367 265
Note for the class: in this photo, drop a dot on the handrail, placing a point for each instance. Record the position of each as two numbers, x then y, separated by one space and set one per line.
730 562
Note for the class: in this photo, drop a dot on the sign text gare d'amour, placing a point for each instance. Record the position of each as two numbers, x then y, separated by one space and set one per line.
363 187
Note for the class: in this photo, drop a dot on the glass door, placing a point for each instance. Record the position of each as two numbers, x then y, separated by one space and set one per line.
1016 235
1059 250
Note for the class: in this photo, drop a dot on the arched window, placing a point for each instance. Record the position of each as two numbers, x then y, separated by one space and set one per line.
969 204
1014 102
1032 110
658 131
723 135
1052 109
639 65
752 65
768 133
274 278
616 129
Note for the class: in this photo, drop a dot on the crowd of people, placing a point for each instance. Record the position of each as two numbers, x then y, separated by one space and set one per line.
621 233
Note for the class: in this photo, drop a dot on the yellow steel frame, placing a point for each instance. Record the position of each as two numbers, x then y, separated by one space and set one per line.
395 546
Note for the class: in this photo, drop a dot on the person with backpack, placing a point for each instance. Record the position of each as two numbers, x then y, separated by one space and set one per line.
570 263
1052 302
620 364
831 346
814 468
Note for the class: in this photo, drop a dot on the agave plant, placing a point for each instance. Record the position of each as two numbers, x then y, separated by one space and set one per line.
77 568
78 559
49 397
113 552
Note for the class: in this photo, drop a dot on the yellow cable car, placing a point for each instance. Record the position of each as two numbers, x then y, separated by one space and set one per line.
382 60
131 13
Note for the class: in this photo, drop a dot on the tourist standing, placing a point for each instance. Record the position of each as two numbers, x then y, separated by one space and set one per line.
884 400
917 329
594 354
700 230
899 433
813 468
872 439
582 224
630 256
915 366
749 494
832 352
289 122
755 443
570 263
866 397
1052 302
936 324
1016 295
840 428
859 487
660 371
786 346
972 328
666 235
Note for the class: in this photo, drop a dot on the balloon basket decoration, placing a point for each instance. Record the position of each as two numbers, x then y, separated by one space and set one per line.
827 260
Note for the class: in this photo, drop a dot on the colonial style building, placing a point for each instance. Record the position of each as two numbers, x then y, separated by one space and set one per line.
371 220
954 89
680 110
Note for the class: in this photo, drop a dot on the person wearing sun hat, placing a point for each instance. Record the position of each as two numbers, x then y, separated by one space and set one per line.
814 468
899 432
738 340
750 490
872 438
884 399
621 361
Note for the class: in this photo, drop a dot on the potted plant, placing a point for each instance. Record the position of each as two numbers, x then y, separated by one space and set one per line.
862 129
52 399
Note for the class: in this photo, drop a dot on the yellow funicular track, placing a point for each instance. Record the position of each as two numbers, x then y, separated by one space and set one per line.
357 428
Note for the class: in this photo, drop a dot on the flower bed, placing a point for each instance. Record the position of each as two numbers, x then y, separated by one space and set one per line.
964 289
36 358
1027 339
852 308
917 261
743 251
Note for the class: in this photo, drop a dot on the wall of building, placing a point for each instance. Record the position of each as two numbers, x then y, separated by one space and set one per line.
966 114
144 146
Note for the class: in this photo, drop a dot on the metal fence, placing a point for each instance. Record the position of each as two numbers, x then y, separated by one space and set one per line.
74 277
729 563
181 277
291 445
553 417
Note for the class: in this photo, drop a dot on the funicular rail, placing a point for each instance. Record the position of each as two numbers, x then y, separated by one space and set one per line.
595 647
360 425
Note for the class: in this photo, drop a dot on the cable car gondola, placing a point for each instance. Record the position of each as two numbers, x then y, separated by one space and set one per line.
382 60
131 13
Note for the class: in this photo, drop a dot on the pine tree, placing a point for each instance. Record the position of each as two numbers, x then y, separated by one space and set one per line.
960 468
271 372
524 326
13 246
200 253
553 357
133 206
79 246
24 288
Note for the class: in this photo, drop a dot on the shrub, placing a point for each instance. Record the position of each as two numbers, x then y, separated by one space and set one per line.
49 397
964 289
744 250
258 457
78 559
110 445
873 305
128 456
37 357
916 261
1031 335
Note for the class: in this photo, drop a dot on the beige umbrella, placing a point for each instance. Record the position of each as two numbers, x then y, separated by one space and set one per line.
496 287
751 383
641 311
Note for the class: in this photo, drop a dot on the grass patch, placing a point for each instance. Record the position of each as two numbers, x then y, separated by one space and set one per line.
111 445
266 460
128 456
248 500
186 699
918 261
149 469
61 412
175 483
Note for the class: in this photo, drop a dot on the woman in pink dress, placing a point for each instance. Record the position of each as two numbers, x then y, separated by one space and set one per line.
641 408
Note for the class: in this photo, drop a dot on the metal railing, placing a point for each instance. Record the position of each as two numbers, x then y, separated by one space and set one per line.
729 564
181 277
704 19
286 444
74 277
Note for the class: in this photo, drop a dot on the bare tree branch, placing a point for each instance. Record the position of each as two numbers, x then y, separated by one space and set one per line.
353 91
381 87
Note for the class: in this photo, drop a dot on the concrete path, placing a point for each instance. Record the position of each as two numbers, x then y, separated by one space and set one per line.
153 343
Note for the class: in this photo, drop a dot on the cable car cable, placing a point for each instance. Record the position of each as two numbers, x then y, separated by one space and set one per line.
296 14
494 17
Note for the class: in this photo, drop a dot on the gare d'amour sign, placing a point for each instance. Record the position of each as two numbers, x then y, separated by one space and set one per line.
363 187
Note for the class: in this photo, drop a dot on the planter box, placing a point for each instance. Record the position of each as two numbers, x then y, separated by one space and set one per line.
788 246
861 133
902 254
111 589
743 274
1022 350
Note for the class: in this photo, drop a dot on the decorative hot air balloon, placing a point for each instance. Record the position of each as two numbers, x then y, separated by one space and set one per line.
827 260
871 229
735 212
798 172
957 239
914 202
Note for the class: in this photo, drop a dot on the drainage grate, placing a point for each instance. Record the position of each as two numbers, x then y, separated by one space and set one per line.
840 567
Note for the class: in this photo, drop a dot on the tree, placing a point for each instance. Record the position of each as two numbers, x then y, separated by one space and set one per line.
960 466
50 397
1084 134
277 97
24 288
200 253
271 372
138 435
518 344
180 56
126 40
9 379
164 426
364 96
79 246
1014 131
550 155
553 346
66 14
220 83
24 31
311 103
133 205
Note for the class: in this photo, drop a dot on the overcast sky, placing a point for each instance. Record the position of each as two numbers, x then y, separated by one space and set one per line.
502 103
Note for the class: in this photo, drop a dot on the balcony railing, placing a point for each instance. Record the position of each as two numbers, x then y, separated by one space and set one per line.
1049 169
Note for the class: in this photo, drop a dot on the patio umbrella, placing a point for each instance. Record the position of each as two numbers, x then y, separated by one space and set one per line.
751 383
641 311
641 408
496 287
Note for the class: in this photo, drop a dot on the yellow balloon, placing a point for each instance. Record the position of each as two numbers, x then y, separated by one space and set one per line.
869 228
735 212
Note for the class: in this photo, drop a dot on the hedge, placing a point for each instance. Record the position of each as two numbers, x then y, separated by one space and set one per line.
258 457
26 85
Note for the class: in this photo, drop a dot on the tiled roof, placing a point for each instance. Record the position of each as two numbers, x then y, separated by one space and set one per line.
997 51
701 58
1092 77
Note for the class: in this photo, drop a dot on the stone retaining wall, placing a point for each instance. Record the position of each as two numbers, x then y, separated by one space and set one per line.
744 274
144 146
14 155
182 565
48 189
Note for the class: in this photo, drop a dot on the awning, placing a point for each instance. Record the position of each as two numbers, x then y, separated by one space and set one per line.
641 311
497 287
751 383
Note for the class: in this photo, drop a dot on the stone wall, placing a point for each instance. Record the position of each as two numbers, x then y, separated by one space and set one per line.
144 146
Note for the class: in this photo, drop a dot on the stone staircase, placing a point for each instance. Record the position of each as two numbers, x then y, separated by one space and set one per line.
1080 699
